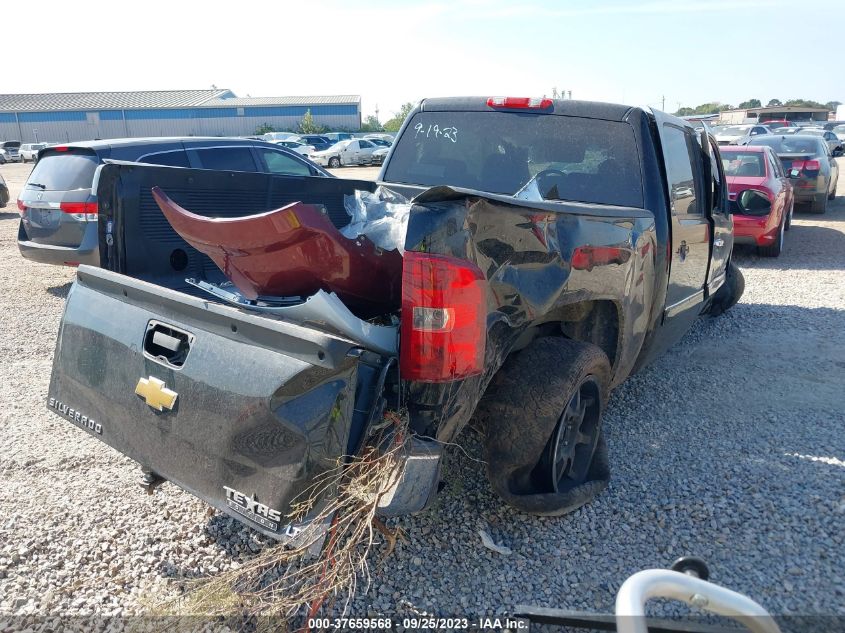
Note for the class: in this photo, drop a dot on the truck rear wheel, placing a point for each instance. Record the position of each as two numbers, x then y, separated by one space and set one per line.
542 424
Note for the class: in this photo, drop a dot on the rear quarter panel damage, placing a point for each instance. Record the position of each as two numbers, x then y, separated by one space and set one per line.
526 254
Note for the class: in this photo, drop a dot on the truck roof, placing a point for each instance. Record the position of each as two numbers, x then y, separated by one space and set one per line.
565 107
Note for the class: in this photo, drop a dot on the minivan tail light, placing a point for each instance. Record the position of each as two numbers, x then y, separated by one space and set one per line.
519 102
812 165
83 211
444 318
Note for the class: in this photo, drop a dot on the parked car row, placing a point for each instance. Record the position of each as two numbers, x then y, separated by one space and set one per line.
335 149
769 175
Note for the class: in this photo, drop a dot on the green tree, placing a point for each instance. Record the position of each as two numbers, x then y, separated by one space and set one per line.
832 105
773 103
371 124
264 128
751 103
804 103
395 123
308 126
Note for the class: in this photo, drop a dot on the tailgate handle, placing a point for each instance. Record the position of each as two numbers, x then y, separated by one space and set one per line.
167 344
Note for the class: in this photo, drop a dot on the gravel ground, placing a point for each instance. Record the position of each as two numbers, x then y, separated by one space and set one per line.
730 447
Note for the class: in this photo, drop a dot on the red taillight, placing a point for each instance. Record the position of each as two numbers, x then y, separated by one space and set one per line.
21 207
519 102
812 165
444 318
85 211
797 164
60 148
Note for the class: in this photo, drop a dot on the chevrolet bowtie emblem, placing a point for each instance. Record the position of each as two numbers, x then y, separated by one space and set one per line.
155 394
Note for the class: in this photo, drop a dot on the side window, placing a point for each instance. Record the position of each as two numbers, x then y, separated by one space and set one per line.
279 163
352 146
677 152
365 144
228 158
775 166
177 158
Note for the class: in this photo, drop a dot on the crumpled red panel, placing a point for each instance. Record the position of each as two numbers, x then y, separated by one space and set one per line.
292 251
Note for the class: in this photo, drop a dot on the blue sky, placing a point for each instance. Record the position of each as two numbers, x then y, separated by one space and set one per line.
390 52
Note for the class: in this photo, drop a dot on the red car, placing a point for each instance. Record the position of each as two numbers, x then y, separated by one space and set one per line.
761 197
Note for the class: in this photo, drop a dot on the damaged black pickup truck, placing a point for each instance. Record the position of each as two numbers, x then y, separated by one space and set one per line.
517 260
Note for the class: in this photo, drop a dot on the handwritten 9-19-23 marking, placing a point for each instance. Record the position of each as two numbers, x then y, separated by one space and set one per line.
435 131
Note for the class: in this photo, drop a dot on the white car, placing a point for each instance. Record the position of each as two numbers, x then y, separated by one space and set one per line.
351 152
380 154
832 140
29 151
299 148
274 137
737 134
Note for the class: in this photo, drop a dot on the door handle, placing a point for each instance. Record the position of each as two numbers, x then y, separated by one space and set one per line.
683 249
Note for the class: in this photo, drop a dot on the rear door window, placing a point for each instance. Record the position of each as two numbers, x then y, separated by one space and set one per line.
176 158
553 157
678 156
63 171
226 158
280 163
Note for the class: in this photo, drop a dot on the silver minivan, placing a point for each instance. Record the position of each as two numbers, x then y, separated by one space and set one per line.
58 204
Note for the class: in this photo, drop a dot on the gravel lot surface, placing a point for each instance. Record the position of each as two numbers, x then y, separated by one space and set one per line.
731 447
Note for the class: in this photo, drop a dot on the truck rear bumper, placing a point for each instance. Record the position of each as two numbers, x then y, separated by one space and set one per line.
244 414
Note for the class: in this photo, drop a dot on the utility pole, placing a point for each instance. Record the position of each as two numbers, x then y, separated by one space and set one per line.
377 119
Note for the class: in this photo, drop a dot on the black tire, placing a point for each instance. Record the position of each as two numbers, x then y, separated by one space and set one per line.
334 162
788 224
832 193
527 415
774 250
730 293
819 205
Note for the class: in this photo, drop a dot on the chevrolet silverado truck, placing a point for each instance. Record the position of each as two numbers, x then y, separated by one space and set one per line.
552 248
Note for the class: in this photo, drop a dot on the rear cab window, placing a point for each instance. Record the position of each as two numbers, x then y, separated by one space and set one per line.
63 171
555 157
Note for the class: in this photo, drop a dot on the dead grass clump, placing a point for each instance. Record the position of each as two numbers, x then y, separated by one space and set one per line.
285 578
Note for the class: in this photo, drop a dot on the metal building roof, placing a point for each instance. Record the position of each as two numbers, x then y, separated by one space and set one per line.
285 101
108 100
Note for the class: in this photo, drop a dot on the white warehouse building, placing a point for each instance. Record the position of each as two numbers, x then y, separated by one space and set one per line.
80 116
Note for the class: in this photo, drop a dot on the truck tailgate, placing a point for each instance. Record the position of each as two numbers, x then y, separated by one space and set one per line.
241 410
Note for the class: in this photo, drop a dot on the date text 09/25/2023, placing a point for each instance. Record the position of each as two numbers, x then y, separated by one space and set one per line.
421 623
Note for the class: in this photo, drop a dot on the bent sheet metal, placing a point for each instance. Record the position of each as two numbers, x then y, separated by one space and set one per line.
294 250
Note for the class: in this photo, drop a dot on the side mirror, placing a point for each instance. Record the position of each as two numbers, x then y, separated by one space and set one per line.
753 202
